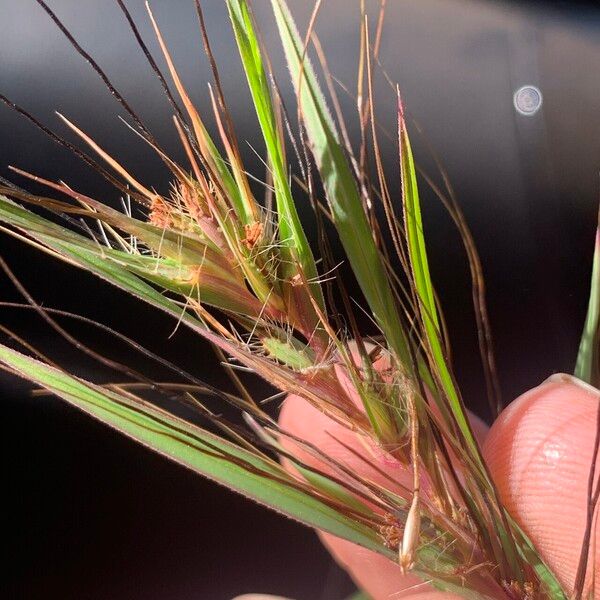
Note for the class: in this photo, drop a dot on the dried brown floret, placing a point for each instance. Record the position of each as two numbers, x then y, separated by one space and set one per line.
160 213
391 532
253 234
190 200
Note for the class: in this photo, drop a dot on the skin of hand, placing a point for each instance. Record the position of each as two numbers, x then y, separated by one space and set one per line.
539 452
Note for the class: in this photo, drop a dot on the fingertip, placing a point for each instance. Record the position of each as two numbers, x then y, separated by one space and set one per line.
539 452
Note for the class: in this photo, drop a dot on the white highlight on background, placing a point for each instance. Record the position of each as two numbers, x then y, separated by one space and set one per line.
528 100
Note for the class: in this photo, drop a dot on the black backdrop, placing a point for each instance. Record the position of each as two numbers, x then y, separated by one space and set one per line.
91 515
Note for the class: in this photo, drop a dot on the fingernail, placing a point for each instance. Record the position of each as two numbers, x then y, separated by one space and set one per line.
572 380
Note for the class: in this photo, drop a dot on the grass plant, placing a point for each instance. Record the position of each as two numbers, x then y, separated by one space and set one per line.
241 274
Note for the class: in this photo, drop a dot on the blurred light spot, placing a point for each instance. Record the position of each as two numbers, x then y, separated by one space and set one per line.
528 100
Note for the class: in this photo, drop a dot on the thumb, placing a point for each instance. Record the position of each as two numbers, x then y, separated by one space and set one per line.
539 452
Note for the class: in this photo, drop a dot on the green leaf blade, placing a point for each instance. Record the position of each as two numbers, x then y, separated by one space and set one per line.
588 358
421 275
194 448
341 188
292 235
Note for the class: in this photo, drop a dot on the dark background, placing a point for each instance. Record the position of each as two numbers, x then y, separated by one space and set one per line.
92 515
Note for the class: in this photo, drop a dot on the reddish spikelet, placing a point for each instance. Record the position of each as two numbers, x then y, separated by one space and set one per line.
391 532
253 234
160 214
191 202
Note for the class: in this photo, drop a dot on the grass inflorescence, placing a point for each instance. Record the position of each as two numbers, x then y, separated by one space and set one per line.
241 274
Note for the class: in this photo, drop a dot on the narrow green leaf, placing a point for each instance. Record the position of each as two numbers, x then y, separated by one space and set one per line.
194 448
207 454
176 245
421 276
341 188
588 359
178 274
84 253
291 232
